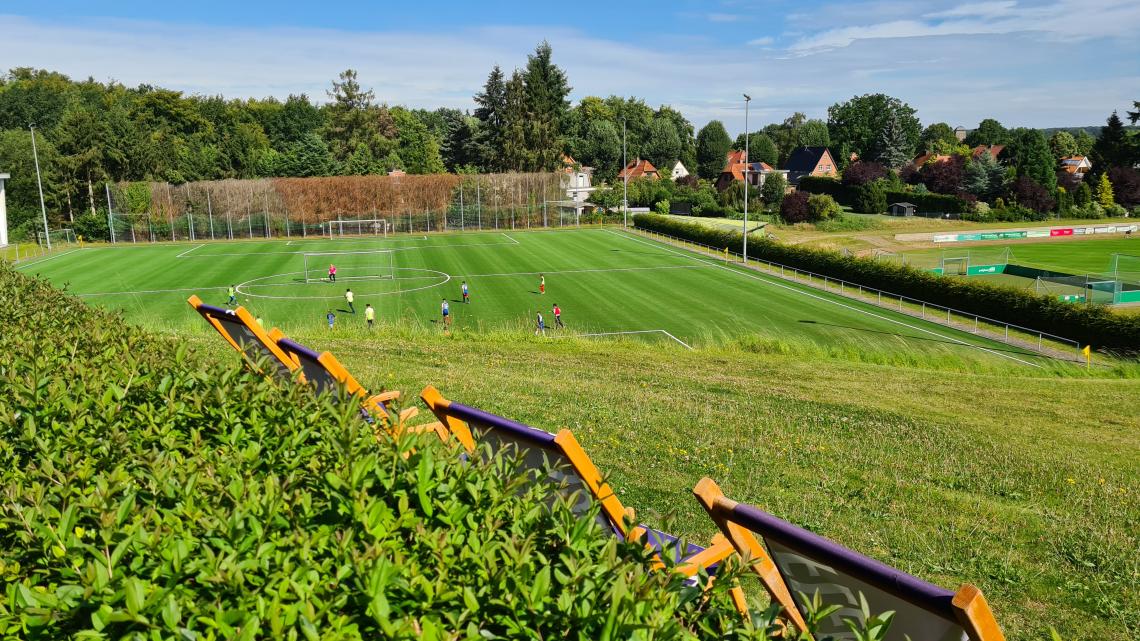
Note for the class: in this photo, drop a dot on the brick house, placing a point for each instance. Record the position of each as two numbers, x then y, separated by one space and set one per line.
810 161
639 168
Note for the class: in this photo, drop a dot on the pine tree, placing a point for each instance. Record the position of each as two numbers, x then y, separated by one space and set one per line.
1112 149
546 105
1083 196
896 150
1104 194
491 112
516 155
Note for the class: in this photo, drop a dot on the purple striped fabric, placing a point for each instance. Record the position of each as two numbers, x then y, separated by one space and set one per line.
895 582
518 430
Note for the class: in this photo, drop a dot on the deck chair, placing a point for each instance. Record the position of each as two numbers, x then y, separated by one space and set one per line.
242 332
793 563
568 462
324 372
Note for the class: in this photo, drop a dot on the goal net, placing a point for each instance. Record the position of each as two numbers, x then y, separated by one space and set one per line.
57 237
355 265
363 227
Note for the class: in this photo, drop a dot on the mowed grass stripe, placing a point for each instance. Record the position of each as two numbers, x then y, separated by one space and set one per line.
652 286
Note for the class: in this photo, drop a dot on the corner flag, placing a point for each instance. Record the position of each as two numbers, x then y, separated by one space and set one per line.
1088 355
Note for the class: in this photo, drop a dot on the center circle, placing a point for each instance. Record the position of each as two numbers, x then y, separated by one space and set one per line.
413 274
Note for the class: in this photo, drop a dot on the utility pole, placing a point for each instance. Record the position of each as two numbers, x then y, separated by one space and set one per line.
625 179
747 166
40 186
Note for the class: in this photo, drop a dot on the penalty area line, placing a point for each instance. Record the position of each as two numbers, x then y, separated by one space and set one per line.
641 331
190 250
771 280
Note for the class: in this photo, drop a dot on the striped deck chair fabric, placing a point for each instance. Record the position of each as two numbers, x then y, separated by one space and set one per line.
242 332
568 463
793 563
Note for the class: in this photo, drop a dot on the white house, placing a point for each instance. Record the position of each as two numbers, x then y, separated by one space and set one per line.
577 179
678 171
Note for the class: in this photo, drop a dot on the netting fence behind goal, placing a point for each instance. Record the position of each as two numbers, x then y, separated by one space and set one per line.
350 265
361 227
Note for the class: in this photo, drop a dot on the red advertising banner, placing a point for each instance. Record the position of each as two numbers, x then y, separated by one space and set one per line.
1061 232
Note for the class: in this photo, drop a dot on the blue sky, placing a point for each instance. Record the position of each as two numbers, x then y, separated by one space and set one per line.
1026 62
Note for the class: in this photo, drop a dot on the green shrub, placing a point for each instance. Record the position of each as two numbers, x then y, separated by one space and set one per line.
870 199
1089 324
152 493
823 207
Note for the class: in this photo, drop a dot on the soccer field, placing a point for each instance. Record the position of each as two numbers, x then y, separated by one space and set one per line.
607 282
1070 256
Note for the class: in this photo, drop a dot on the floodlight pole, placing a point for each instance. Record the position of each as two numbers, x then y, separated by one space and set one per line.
747 166
40 186
625 180
110 216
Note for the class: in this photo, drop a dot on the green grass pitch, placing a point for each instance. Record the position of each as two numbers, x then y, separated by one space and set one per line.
606 282
1092 256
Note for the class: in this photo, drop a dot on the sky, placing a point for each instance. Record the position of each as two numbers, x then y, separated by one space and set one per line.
1042 63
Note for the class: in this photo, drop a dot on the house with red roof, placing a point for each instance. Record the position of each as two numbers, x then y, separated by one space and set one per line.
639 168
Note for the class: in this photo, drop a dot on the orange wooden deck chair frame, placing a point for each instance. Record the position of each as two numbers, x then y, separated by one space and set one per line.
794 564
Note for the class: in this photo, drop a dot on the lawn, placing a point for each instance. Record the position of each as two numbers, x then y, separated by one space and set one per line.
1024 484
1093 256
606 282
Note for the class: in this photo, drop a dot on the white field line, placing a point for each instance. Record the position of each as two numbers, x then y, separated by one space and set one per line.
568 271
190 250
511 239
356 239
391 249
38 261
773 282
641 331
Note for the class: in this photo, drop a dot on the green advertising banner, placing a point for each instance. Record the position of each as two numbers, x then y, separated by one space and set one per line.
982 270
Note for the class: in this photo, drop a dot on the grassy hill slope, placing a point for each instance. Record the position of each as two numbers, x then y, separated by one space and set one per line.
1028 487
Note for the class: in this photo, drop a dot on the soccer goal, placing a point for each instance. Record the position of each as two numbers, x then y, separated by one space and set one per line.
364 227
57 237
357 265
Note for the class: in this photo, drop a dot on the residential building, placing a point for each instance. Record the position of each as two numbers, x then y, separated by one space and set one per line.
577 180
1079 165
902 209
995 151
639 168
734 170
678 171
960 133
925 159
810 161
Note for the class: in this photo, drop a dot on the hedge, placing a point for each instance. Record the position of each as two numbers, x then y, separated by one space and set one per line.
153 492
1089 324
851 196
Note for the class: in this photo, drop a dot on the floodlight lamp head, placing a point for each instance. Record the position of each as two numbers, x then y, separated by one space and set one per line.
747 98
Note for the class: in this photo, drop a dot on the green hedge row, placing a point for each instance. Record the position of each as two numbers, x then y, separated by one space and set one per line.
1090 324
851 196
150 492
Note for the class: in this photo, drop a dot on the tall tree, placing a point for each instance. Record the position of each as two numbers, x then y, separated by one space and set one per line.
601 149
547 105
1084 143
1063 144
1112 148
417 147
80 139
353 119
989 132
713 145
663 145
813 133
515 152
938 138
894 147
1134 116
1029 152
760 147
491 112
684 129
985 178
861 125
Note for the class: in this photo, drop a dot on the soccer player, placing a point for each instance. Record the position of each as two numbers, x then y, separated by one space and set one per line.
466 296
445 309
331 318
369 314
348 297
541 284
332 273
233 295
558 316
541 324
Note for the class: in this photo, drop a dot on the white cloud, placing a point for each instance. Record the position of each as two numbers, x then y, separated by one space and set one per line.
1014 77
762 42
994 9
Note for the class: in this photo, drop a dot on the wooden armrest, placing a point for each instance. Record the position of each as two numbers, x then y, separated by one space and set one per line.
720 550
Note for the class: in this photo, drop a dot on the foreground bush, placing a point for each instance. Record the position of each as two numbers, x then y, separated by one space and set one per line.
1090 324
150 493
